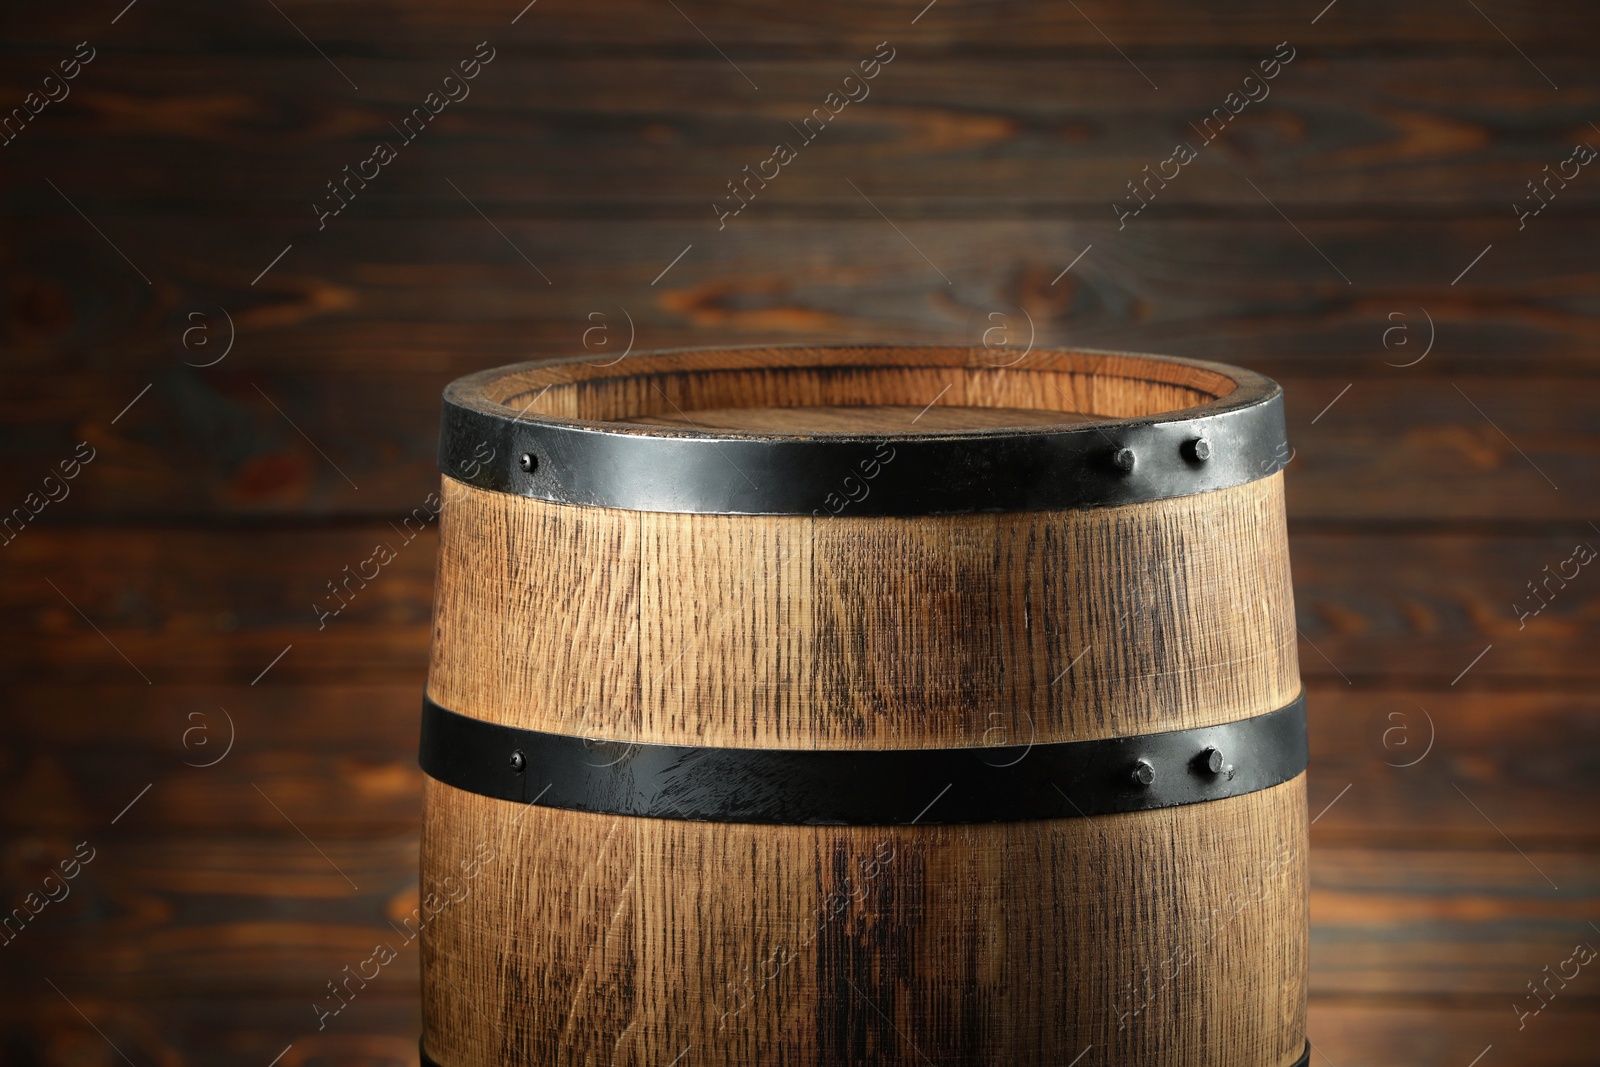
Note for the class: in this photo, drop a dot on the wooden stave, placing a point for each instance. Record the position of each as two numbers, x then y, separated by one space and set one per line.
676 683
621 955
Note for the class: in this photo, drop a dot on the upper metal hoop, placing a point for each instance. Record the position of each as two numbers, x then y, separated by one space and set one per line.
1223 443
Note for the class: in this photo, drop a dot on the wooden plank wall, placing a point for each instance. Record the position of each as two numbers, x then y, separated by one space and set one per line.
258 392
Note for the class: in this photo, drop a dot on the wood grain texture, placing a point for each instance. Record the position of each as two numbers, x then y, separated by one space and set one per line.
204 443
1433 592
572 136
1074 382
1251 281
155 916
204 1028
1389 1032
340 760
625 940
1488 934
795 632
1417 760
356 30
861 418
447 296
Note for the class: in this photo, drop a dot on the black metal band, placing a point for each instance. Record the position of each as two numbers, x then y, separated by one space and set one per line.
1225 443
429 1061
886 787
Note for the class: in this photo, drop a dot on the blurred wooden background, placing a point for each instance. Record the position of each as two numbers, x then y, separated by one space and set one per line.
170 593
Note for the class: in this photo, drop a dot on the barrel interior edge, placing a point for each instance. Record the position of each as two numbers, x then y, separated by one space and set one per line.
1074 385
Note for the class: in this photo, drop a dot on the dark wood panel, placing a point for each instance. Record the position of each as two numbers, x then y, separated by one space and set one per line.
1221 288
1335 135
1445 446
389 313
1454 923
204 1029
173 915
1428 607
154 723
189 606
337 761
349 31
1397 1031
1416 761
196 606
449 294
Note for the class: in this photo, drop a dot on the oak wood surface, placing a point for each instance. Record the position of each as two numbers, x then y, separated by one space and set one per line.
635 938
798 632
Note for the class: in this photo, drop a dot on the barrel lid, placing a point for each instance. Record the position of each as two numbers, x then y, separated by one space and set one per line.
1132 428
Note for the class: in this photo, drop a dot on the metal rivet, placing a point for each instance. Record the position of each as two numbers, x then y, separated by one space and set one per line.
1197 449
528 462
518 761
1123 459
1143 773
1211 759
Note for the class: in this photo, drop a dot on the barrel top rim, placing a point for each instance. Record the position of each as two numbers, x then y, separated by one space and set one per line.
470 393
1139 453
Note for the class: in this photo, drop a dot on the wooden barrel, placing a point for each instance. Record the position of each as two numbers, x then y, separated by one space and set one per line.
864 705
